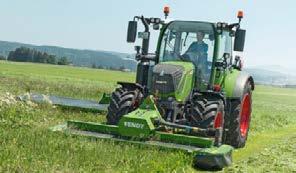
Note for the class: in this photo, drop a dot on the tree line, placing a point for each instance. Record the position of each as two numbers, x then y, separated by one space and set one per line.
2 57
24 54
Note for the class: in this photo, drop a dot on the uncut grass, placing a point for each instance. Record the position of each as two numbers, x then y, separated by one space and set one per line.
273 108
83 90
62 73
68 81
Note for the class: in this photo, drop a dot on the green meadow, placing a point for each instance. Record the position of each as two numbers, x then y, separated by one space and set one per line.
27 144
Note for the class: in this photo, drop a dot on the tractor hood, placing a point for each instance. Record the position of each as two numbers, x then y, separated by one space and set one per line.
173 79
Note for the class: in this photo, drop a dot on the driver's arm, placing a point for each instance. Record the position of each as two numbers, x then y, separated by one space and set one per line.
191 48
185 56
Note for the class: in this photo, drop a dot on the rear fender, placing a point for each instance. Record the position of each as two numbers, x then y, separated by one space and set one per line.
235 83
241 81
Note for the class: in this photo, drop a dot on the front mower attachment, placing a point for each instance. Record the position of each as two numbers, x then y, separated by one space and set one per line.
206 155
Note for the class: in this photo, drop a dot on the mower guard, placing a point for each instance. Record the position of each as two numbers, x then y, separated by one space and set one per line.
206 155
100 105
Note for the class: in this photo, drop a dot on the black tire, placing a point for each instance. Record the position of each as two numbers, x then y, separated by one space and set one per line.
208 114
236 128
204 110
123 101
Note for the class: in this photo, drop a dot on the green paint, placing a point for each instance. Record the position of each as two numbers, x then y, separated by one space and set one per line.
222 150
138 123
105 99
185 139
187 81
93 127
149 104
216 55
138 131
161 33
230 82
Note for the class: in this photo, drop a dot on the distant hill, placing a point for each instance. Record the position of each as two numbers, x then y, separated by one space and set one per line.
78 57
278 68
272 76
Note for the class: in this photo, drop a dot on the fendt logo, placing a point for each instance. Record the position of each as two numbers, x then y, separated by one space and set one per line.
134 125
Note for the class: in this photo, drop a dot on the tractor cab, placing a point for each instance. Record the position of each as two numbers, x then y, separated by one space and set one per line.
207 46
189 41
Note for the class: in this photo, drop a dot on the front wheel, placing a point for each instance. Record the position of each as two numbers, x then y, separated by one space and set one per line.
237 120
123 101
208 113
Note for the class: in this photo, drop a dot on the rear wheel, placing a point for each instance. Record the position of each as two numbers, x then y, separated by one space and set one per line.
123 101
237 120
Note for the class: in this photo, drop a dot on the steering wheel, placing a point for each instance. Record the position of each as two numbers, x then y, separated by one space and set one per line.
185 57
190 56
181 57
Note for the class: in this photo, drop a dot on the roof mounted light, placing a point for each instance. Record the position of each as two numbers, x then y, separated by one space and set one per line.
166 11
240 14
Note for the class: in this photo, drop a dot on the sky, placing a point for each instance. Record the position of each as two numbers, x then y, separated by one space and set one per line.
102 25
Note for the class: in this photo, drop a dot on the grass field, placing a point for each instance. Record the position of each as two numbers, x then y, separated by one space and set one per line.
26 144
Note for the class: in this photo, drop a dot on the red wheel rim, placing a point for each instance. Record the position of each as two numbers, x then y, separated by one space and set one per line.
245 115
218 120
136 104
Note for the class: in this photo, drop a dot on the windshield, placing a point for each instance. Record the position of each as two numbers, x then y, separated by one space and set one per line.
190 41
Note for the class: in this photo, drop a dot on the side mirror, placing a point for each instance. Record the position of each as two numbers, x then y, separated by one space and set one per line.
131 31
239 40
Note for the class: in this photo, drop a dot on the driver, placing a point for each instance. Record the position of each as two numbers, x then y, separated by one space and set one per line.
199 47
199 50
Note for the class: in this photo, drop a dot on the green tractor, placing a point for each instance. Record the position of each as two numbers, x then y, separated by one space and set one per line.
190 94
193 81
